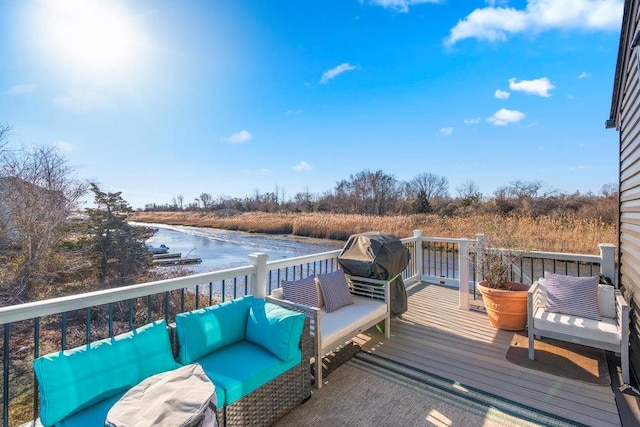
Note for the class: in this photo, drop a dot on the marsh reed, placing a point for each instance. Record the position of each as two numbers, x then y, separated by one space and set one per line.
545 233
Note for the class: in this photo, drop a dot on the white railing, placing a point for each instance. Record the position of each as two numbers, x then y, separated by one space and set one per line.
433 260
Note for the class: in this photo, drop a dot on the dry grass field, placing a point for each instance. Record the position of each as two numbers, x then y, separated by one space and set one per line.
553 234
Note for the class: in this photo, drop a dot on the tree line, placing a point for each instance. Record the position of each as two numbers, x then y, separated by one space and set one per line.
378 193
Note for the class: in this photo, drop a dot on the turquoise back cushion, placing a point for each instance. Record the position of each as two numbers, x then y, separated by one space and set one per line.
202 331
75 379
275 329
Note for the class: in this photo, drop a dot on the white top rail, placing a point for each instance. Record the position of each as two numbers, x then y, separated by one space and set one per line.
32 310
304 259
442 239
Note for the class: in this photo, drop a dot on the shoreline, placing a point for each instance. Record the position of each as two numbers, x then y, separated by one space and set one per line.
283 237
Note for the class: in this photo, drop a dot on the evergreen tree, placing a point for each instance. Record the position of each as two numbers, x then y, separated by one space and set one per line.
119 247
421 204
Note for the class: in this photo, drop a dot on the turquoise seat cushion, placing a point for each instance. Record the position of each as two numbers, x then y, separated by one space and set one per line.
94 415
275 328
202 331
242 368
72 380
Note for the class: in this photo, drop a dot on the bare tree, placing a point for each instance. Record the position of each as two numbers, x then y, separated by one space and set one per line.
432 185
609 189
469 190
207 200
426 187
39 191
4 134
373 193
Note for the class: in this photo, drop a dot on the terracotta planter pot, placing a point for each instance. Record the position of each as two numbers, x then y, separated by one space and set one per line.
507 309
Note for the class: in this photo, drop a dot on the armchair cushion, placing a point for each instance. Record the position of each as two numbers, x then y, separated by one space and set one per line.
276 329
576 296
335 290
202 331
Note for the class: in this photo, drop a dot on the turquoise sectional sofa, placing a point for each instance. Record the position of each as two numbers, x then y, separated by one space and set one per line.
252 351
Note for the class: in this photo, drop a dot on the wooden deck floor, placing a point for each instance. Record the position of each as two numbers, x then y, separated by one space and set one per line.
435 336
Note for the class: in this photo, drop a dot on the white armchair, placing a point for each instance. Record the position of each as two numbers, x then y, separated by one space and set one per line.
611 333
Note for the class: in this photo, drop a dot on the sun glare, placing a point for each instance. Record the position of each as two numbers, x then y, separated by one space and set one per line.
92 35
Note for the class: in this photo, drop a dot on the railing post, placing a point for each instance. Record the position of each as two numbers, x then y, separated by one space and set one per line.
419 263
608 261
258 284
481 239
463 269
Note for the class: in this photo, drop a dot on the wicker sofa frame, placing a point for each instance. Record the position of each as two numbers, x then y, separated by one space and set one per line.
272 400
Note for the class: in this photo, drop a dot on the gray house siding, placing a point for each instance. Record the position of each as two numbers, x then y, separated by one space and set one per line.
625 116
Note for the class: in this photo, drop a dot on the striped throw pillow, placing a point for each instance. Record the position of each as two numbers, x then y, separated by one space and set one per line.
302 291
335 290
576 296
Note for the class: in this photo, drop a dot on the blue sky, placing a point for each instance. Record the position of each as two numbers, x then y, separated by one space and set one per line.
159 98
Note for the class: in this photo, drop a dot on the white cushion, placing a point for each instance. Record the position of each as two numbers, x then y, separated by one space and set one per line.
277 293
337 323
605 330
607 300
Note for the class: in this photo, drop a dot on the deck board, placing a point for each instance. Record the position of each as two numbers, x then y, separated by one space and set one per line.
435 336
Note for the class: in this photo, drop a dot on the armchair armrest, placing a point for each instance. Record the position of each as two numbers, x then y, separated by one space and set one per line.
534 302
535 298
622 309
622 317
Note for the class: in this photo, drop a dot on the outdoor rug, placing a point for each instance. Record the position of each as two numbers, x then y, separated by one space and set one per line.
373 391
564 359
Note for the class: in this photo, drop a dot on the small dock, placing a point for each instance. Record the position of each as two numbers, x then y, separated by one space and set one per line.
167 255
167 262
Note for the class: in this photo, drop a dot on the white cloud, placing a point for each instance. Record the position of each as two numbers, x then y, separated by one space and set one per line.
64 146
493 3
240 137
496 23
400 5
584 75
540 87
503 117
446 131
336 71
21 88
302 166
81 101
473 121
502 94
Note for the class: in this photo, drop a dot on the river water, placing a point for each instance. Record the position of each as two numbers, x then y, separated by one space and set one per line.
220 249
